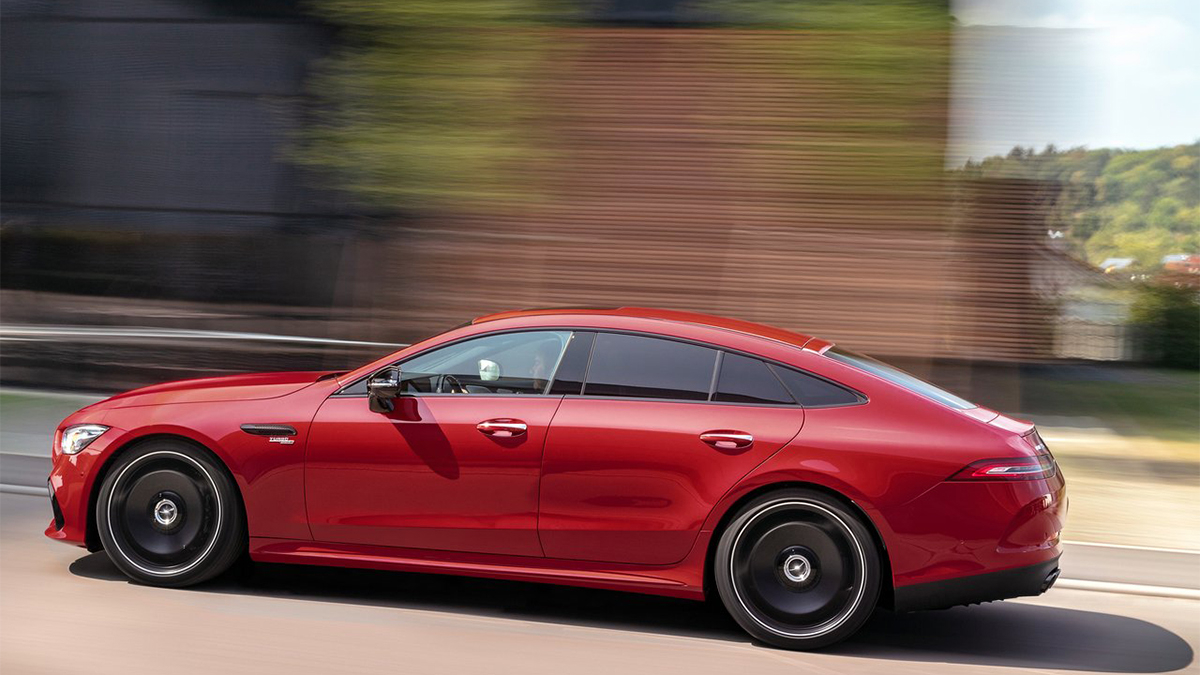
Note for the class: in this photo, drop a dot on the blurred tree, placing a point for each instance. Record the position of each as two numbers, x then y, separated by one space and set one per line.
1170 317
422 102
1115 203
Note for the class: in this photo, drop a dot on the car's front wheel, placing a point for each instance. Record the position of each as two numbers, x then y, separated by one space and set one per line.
169 515
797 569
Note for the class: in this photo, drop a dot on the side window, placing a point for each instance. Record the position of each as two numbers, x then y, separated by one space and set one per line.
747 380
812 391
506 363
899 377
645 367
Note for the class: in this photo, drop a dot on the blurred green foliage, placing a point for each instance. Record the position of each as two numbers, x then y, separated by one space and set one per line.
1170 318
422 101
1141 204
439 103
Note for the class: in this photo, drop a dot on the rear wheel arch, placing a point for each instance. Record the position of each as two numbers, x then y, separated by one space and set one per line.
887 588
92 536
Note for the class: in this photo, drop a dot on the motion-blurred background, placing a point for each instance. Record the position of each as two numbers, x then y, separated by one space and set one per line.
1003 197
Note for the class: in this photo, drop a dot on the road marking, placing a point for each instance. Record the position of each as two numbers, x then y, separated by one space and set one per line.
1129 589
1131 547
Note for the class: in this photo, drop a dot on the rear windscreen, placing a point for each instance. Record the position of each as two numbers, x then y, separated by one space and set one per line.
897 376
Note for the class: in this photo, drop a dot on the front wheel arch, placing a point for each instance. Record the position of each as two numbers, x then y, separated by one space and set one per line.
92 536
887 590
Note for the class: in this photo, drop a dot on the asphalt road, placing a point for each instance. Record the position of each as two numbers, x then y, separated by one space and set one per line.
63 610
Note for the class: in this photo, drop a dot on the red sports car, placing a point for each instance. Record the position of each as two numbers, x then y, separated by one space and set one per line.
631 449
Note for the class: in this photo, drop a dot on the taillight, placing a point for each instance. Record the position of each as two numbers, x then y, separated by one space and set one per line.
1008 468
1035 439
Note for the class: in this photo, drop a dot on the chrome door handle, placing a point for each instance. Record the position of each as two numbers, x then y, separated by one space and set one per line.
502 428
728 440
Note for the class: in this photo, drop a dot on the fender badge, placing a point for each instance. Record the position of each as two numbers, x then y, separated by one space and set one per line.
282 440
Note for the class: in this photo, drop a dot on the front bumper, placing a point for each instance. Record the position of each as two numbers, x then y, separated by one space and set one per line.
1011 583
71 481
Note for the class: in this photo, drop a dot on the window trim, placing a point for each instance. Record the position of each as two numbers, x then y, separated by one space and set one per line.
863 399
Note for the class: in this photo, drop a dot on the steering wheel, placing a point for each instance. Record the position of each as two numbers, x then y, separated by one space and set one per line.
452 382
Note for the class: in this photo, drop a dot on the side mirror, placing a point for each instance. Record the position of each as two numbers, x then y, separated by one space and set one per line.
382 387
489 371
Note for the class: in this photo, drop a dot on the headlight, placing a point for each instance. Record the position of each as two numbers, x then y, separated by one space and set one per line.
78 437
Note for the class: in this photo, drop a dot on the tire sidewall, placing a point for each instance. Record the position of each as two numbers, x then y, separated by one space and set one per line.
229 538
871 573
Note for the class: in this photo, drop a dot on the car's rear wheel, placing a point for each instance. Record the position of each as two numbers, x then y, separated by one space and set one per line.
797 569
169 515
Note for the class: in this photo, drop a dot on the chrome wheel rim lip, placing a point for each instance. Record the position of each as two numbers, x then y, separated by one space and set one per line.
212 542
828 625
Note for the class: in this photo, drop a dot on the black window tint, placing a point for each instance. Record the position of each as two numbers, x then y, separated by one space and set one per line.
630 365
747 380
814 392
568 379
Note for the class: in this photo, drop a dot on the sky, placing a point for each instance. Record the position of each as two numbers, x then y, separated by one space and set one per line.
1097 73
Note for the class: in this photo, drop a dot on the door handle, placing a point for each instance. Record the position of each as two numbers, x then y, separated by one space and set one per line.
502 428
727 440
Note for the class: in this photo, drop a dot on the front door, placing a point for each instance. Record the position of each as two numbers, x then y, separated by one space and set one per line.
455 467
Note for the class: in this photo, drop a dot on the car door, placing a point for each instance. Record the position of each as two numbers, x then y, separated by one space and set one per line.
455 466
637 456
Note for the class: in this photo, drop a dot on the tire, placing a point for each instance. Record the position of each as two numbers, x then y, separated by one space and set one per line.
168 514
797 569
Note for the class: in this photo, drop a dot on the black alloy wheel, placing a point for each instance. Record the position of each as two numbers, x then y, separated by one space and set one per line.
797 569
168 514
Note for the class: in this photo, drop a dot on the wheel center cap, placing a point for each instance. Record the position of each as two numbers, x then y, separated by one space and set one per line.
165 512
797 568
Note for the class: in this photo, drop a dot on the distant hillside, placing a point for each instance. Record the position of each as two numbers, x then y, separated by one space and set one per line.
1141 204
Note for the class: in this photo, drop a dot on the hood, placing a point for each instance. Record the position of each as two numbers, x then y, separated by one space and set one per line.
228 388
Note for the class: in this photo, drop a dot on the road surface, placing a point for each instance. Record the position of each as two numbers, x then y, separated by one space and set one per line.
63 610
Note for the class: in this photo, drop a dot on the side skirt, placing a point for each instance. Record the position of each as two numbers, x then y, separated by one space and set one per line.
673 581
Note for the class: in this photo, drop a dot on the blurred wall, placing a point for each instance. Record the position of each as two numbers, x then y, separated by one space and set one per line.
143 143
382 171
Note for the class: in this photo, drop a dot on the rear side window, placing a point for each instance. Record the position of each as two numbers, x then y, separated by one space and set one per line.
899 377
747 380
644 367
813 392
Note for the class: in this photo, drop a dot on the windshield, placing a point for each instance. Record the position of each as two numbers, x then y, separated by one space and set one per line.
897 376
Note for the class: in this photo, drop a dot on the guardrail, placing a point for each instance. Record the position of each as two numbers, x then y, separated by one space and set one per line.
79 333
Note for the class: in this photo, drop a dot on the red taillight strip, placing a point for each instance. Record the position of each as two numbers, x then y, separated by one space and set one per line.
1008 468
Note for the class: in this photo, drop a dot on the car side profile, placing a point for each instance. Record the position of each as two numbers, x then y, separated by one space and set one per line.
629 449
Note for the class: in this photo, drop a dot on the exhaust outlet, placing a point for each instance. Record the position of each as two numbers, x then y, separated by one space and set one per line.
1050 579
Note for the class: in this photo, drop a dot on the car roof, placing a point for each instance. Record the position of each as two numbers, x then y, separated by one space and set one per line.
696 318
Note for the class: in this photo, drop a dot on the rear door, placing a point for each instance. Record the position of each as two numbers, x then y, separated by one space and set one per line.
641 450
